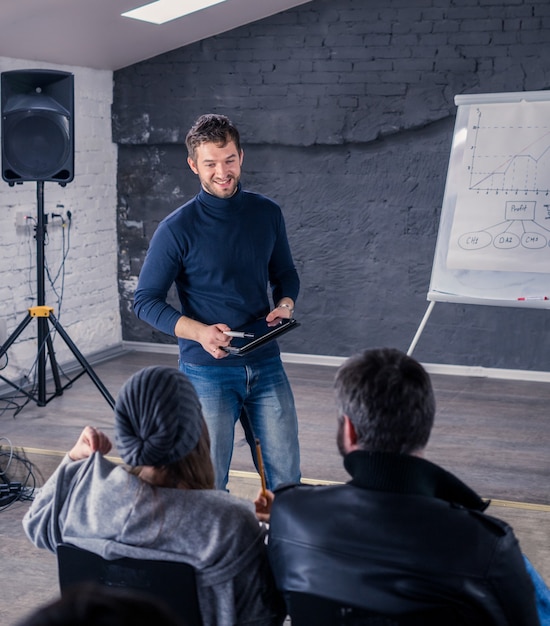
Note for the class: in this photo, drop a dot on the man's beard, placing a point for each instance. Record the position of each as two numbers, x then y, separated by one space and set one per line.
217 193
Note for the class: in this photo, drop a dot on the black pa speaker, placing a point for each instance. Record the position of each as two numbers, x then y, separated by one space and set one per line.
37 126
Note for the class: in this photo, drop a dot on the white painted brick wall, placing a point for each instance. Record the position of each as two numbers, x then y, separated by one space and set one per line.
89 309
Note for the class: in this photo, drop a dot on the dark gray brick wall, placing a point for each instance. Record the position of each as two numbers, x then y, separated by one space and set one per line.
346 111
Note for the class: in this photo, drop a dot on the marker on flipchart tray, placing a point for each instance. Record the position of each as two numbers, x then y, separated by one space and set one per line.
523 298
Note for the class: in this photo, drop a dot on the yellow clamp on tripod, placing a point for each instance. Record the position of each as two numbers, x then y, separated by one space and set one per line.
40 311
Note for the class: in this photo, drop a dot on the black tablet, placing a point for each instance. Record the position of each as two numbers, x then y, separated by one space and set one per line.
260 333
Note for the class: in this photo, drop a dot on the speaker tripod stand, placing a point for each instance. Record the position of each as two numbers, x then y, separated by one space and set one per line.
45 317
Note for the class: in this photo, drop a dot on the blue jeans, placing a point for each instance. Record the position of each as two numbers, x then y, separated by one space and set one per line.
260 396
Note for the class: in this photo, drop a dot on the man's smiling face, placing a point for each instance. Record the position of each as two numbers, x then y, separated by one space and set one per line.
218 168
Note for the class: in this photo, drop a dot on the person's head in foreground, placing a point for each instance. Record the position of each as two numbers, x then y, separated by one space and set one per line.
160 430
97 605
386 403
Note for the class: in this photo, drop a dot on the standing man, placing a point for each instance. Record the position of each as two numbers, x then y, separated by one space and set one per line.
224 249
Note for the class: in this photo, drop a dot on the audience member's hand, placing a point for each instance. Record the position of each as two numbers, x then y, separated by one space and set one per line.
263 505
91 440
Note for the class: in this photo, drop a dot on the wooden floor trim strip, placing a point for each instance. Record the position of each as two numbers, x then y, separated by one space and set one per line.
526 506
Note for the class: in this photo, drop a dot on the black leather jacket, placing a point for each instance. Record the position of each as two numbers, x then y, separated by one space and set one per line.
403 535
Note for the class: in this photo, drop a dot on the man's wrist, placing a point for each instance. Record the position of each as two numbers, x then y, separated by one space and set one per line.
286 305
188 328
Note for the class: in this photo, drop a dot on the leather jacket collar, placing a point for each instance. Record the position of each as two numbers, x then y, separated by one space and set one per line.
402 473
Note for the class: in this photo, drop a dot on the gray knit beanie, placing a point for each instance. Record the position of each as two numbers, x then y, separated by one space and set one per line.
158 417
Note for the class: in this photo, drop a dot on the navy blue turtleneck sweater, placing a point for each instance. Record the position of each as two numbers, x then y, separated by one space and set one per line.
222 255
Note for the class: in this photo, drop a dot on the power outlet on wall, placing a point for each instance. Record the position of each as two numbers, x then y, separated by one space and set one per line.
60 217
23 219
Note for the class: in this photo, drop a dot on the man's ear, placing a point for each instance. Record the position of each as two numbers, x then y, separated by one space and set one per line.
192 165
350 434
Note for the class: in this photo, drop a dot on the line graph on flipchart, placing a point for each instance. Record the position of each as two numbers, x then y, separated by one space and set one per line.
508 157
502 212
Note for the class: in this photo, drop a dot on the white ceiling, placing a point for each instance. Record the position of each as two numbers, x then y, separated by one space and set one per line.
92 33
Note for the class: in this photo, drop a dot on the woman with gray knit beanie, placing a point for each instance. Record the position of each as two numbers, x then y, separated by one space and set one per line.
162 505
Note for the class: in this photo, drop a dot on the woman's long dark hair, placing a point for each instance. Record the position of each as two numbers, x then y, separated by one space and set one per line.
193 471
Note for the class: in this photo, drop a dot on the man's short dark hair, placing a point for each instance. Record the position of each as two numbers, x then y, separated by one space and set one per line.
211 128
389 399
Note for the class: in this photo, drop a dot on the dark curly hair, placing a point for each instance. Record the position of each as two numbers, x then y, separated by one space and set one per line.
211 128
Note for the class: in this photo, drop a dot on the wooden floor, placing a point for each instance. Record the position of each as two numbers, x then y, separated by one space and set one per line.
493 434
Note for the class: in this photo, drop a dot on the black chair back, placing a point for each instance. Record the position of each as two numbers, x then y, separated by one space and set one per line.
172 582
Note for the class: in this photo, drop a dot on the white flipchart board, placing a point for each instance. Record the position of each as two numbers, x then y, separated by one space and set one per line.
493 243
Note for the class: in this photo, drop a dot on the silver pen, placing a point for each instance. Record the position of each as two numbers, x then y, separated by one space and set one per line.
238 333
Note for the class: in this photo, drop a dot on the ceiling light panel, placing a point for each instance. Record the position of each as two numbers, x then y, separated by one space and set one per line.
163 11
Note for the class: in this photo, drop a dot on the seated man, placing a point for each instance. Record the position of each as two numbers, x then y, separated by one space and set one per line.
403 535
164 505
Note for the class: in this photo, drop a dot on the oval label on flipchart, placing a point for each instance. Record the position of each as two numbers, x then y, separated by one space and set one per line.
506 240
533 240
475 241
